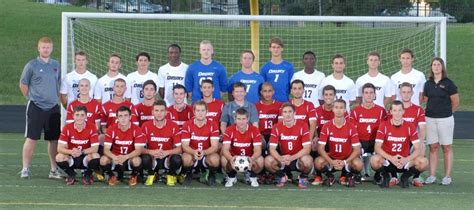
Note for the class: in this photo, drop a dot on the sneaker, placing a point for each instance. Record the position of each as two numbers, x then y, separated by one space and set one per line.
55 175
70 180
342 180
253 182
417 182
430 180
404 180
351 181
282 181
446 180
385 180
150 180
113 180
317 181
329 181
188 178
230 181
25 173
393 181
180 178
171 180
211 180
302 183
132 181
99 176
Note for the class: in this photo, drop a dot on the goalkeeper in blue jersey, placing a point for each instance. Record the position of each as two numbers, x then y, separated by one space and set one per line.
251 79
205 68
278 71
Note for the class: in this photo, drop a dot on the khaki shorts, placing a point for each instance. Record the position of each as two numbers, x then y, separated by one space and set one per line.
440 130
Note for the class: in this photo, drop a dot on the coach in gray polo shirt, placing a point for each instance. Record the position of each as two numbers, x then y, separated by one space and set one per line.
228 112
40 82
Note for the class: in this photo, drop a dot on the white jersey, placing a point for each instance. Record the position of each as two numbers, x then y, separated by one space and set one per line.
70 84
415 78
135 85
345 89
383 87
311 85
104 89
169 76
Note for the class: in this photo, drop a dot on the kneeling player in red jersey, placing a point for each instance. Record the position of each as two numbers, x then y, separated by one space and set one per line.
292 139
392 148
123 144
344 148
242 139
200 141
163 148
77 148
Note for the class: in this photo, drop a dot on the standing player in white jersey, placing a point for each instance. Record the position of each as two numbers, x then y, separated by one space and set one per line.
345 87
136 79
383 84
408 74
70 85
104 89
171 74
311 78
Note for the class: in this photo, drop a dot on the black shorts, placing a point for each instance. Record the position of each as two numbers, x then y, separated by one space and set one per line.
292 167
78 162
38 120
161 163
367 146
200 164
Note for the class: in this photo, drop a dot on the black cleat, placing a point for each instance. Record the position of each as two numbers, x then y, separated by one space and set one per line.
404 183
357 178
385 180
188 179
329 181
211 180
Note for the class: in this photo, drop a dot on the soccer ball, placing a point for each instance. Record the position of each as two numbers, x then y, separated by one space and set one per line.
242 164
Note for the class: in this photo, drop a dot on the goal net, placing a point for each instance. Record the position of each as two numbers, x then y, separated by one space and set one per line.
100 34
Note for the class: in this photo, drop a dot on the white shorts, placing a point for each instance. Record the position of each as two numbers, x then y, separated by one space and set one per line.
440 130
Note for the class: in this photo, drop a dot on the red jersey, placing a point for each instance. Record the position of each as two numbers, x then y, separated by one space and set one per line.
396 140
413 114
79 139
180 117
124 142
214 110
94 111
109 110
290 140
242 143
340 140
323 117
267 116
367 121
199 138
165 138
144 113
305 112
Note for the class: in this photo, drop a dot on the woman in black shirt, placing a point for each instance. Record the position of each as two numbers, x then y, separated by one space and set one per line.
442 99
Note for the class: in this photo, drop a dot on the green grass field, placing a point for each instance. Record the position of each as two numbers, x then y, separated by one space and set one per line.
39 192
23 22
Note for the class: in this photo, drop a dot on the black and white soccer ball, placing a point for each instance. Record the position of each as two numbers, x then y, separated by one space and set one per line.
242 164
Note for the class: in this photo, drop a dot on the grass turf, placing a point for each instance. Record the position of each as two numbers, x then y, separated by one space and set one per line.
39 192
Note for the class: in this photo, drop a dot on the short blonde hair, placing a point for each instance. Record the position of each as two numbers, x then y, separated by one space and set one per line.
45 39
203 42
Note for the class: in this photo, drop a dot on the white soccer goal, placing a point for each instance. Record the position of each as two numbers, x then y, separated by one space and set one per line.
100 34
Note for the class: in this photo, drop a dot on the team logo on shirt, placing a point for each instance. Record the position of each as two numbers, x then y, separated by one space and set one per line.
288 138
396 139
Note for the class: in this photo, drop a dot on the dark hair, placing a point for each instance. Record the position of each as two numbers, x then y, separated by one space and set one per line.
444 73
368 85
296 81
142 54
288 104
115 55
248 51
329 87
120 80
149 82
340 101
396 103
276 40
80 53
208 81
199 103
242 111
238 84
174 46
374 54
123 109
337 56
406 84
179 86
160 103
309 53
406 50
80 108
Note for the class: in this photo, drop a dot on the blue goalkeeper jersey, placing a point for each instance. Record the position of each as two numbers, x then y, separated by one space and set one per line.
279 75
252 84
197 72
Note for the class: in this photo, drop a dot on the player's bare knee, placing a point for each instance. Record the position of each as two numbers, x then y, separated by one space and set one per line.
357 164
136 161
319 163
434 148
187 160
376 162
446 148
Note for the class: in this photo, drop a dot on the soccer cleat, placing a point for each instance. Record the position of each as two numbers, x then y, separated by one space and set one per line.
261 178
99 176
54 175
113 180
357 178
404 180
230 181
253 182
211 180
417 182
384 180
365 177
329 181
446 180
132 181
430 180
302 183
270 179
87 179
171 180
393 181
342 180
70 180
204 176
282 181
150 180
25 173
188 178
180 178
317 181
351 181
